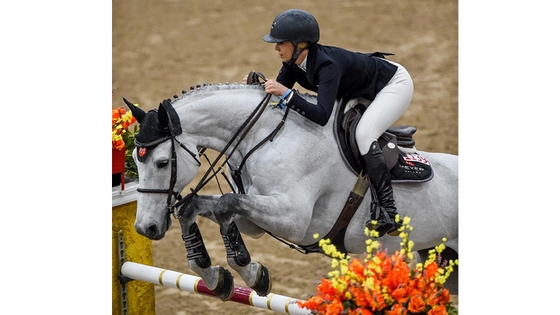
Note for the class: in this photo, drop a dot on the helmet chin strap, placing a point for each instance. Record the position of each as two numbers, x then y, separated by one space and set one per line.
297 52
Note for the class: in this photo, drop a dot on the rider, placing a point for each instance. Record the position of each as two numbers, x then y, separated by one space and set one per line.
333 73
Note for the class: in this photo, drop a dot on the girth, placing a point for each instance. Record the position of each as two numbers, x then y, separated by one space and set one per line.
338 231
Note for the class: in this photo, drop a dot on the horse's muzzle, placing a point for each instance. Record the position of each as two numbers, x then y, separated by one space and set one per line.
152 229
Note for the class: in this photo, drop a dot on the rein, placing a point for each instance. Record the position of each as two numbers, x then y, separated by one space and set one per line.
178 212
237 173
178 208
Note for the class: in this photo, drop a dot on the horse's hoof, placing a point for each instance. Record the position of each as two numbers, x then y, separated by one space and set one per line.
264 282
225 286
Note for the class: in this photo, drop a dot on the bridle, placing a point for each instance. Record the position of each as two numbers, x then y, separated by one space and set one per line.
178 207
170 192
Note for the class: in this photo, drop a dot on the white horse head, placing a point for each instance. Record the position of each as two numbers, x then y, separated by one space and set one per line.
161 149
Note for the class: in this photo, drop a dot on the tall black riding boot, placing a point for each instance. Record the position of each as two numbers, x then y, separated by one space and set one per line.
380 179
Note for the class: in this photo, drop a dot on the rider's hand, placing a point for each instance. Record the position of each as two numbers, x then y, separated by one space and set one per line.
273 87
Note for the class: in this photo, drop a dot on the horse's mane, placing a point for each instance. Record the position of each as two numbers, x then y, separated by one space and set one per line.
206 90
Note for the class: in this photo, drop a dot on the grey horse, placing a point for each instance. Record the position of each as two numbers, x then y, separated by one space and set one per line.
292 182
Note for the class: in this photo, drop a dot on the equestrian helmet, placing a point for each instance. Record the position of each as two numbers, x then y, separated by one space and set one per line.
293 25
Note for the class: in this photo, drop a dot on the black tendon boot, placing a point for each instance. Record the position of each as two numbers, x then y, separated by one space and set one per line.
380 180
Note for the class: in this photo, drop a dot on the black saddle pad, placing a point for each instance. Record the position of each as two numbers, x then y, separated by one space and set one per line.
411 167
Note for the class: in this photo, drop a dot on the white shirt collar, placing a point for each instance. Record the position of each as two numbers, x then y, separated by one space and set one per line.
303 65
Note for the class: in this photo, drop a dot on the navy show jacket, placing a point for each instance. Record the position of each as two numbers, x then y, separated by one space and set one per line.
334 73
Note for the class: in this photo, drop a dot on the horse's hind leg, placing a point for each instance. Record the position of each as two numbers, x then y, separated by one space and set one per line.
218 279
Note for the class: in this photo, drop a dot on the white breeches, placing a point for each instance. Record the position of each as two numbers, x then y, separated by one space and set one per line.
389 104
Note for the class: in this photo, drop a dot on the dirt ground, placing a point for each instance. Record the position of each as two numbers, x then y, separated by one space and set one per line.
163 47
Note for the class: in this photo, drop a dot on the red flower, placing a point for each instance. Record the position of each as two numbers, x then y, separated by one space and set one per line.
118 144
400 295
416 304
439 296
397 309
363 311
334 308
312 303
438 310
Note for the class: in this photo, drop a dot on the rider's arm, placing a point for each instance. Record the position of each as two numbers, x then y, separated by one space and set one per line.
329 80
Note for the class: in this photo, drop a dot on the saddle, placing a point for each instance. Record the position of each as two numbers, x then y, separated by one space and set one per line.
403 161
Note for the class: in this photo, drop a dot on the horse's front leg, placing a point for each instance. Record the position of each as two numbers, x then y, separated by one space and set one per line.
218 279
253 208
254 274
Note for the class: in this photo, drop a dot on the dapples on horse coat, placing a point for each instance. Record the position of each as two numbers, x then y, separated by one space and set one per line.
294 181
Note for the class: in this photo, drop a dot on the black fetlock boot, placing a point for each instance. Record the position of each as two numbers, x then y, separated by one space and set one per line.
380 180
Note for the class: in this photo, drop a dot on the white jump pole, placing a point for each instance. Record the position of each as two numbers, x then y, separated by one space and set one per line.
173 279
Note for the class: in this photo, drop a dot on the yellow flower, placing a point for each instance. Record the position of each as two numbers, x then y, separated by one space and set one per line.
382 284
340 285
406 220
343 269
334 274
410 256
371 233
373 245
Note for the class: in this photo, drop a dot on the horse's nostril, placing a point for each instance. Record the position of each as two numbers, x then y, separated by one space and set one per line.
152 230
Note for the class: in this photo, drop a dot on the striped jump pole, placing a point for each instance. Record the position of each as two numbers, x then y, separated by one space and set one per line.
173 279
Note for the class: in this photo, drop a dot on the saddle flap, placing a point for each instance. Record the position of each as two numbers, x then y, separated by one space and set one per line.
350 121
389 143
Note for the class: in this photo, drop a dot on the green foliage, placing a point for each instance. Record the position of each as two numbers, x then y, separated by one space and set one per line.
130 168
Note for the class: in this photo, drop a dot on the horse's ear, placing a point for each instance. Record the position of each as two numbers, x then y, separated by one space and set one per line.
169 118
137 112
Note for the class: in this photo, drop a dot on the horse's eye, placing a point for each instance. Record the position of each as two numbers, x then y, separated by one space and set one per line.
162 164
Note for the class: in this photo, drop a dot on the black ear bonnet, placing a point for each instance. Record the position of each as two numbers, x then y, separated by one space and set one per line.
156 126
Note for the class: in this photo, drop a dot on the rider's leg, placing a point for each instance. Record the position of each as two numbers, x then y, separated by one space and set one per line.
380 179
389 104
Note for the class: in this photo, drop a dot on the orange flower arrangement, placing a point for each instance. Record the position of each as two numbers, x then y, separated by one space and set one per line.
123 138
122 119
383 284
